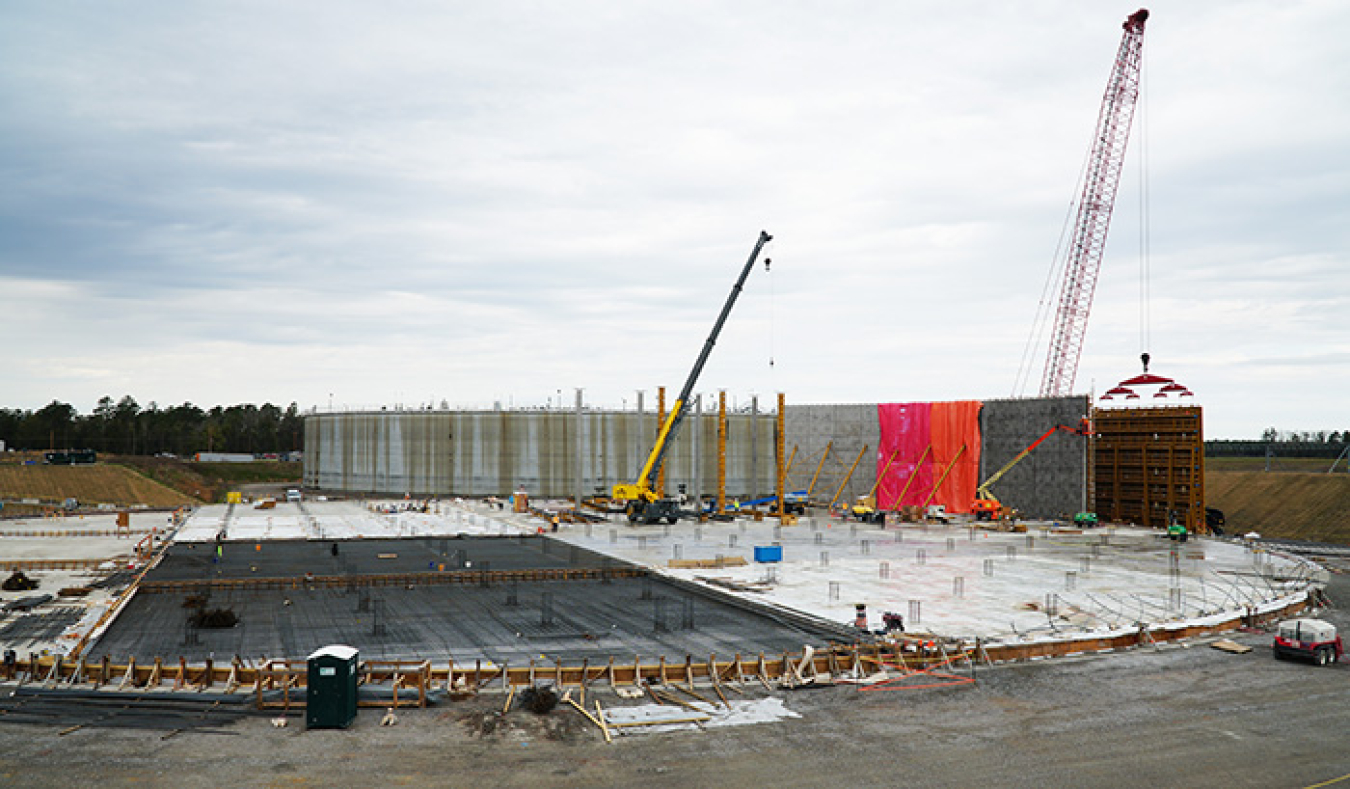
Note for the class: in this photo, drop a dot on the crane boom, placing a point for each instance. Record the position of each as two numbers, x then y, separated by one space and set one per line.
644 502
1095 204
986 503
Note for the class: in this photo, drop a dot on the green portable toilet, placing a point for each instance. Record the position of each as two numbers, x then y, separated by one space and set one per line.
330 695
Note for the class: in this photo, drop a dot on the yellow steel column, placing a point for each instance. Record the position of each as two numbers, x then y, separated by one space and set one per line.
810 489
943 478
721 452
661 420
780 444
849 475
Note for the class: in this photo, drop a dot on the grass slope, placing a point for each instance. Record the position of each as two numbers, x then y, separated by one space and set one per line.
98 484
1296 505
210 481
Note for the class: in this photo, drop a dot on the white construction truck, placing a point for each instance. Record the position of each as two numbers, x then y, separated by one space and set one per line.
1308 638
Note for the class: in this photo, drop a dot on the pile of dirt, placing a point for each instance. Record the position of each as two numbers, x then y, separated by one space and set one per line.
1292 505
18 582
215 618
562 724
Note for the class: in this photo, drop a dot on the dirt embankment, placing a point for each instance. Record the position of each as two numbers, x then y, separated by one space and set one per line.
210 481
1295 505
124 480
97 484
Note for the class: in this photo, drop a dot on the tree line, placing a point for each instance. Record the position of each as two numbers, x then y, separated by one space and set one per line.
125 427
1284 443
1273 436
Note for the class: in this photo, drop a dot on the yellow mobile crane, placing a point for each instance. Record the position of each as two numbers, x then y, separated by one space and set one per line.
643 503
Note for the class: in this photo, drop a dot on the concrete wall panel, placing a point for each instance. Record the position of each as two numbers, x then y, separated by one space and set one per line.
850 427
479 453
483 453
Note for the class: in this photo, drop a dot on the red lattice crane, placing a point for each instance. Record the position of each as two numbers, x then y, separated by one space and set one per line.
1098 198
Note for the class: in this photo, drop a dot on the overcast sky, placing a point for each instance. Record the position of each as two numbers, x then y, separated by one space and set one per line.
404 203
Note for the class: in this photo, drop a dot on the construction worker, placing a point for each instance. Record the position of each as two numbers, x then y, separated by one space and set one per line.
555 521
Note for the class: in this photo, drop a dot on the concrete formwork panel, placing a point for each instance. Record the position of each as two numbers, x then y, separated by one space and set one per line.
1150 465
1051 481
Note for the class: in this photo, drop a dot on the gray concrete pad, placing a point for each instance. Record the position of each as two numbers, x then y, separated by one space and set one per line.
505 622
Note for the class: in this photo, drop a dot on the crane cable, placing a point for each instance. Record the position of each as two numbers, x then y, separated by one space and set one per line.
773 383
1048 305
1145 294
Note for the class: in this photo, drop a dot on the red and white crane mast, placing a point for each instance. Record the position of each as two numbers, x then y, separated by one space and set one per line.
1102 177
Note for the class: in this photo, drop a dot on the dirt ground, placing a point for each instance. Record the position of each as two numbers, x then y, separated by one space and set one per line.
1311 505
1180 716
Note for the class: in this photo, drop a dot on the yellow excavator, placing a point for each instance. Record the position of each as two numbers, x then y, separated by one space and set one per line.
641 499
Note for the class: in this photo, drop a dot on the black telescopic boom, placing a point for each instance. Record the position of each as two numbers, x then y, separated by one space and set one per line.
683 401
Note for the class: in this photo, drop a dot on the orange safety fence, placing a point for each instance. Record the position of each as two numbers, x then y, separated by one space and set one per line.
907 674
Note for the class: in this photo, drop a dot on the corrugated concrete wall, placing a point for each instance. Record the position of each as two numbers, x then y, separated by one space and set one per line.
481 453
1047 483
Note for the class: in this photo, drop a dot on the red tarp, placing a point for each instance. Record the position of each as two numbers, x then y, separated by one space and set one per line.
942 429
904 427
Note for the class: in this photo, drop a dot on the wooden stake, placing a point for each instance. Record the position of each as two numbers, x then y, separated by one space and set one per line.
691 719
698 696
673 699
604 726
589 716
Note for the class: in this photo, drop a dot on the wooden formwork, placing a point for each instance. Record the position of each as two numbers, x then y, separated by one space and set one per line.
1149 463
272 682
475 577
73 532
53 564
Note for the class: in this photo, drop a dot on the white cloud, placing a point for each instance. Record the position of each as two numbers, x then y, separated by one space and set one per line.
495 202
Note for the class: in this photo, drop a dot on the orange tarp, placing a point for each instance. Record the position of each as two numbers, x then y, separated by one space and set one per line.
953 426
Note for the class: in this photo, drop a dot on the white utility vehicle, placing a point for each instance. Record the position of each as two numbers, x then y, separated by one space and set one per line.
1308 638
